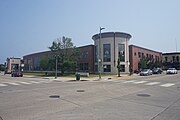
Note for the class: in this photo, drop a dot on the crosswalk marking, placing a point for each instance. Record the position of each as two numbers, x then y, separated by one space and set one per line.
3 85
26 83
34 82
139 82
153 83
167 85
131 81
46 81
11 83
22 82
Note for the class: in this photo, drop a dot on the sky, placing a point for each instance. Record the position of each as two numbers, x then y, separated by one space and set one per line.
30 26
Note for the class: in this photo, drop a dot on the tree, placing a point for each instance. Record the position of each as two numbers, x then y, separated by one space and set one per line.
118 67
66 53
143 63
44 63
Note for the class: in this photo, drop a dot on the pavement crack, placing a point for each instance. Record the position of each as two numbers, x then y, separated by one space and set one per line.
71 102
165 109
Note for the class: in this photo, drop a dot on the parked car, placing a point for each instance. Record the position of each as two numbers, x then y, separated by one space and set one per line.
146 72
157 71
171 71
16 74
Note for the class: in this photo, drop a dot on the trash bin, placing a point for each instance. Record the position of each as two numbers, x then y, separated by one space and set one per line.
77 76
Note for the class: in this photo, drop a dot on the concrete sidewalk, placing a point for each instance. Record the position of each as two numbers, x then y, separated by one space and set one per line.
103 78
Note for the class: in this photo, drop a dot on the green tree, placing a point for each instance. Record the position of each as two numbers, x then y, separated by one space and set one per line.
143 63
44 63
66 52
118 67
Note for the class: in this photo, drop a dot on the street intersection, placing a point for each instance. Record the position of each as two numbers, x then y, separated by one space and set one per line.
155 97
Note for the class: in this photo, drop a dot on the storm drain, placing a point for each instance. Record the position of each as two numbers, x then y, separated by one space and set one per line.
143 95
54 96
80 91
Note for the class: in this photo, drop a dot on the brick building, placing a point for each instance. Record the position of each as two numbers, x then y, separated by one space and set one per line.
137 53
85 61
103 55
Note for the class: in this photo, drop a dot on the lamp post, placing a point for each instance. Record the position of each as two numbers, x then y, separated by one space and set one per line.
56 67
99 58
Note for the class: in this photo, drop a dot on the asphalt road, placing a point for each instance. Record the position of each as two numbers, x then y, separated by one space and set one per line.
155 97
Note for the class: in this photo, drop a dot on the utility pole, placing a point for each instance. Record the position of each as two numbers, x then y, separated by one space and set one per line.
99 55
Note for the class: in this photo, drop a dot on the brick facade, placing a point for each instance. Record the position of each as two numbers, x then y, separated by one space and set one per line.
86 61
137 53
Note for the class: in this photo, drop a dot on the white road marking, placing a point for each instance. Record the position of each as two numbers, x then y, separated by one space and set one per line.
167 85
131 81
34 82
26 83
139 82
3 85
11 83
45 81
153 83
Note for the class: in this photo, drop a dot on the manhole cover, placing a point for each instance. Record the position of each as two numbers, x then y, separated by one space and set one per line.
143 95
80 90
54 96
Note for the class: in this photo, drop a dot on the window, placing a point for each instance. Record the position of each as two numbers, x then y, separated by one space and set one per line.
96 53
142 55
122 68
107 68
166 59
134 53
173 58
121 52
106 52
177 58
96 68
83 67
152 56
139 54
147 56
84 54
156 58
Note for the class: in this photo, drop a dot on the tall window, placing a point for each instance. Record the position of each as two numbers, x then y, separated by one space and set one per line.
173 58
139 54
166 59
121 52
96 53
177 58
106 52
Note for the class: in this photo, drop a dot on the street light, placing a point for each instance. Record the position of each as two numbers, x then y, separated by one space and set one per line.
99 58
56 56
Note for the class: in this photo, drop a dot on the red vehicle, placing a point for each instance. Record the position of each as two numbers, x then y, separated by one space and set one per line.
16 74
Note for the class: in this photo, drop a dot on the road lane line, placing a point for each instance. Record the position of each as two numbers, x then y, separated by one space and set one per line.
3 85
153 83
167 85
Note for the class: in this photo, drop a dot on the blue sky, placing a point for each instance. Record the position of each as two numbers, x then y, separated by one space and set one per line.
30 26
